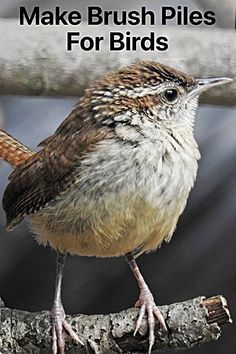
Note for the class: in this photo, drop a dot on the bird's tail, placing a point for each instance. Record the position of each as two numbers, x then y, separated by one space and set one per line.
12 151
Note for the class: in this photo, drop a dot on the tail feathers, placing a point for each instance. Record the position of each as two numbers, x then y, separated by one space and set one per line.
12 150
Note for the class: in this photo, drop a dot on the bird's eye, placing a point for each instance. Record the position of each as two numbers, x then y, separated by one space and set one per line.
170 95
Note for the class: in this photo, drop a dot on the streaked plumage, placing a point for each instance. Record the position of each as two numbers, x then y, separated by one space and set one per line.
114 177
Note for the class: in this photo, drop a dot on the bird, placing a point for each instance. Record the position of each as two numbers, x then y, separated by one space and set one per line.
114 177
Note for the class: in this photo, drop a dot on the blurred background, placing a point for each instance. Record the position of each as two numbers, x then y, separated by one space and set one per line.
200 259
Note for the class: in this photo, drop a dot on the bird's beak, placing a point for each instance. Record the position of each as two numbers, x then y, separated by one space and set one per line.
207 83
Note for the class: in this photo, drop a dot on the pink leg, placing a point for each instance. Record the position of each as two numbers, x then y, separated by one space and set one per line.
58 314
146 304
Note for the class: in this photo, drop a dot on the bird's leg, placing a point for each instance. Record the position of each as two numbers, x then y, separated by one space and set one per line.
58 314
146 304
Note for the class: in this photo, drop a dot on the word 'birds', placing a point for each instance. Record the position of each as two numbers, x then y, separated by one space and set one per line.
114 177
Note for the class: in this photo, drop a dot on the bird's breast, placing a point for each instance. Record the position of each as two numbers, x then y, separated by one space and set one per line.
125 198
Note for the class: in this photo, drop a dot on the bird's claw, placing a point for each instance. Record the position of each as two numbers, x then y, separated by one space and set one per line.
58 324
148 306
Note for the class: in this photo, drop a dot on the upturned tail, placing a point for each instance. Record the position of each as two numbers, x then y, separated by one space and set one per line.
12 151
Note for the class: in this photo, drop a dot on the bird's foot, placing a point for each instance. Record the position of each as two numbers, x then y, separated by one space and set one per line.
59 324
148 306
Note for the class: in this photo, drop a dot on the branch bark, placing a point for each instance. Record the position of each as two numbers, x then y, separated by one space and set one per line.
34 59
190 323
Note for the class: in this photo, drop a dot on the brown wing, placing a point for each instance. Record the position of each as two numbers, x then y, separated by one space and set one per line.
51 171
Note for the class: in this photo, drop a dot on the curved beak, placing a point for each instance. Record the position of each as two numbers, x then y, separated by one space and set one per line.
207 83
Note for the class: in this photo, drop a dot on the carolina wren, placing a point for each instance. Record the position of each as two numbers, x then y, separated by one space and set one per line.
114 177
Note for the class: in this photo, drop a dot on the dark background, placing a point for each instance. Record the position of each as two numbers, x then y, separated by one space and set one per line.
200 259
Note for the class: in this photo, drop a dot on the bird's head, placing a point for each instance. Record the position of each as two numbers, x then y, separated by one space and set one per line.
147 93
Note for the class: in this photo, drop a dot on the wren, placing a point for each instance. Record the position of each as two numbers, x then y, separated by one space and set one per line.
114 177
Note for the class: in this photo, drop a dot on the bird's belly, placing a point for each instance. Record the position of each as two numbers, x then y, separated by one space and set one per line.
129 200
133 225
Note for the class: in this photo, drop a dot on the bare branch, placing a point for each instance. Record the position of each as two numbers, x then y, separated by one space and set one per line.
190 323
34 59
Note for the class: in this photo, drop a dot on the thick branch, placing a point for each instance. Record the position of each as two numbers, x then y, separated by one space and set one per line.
34 59
189 323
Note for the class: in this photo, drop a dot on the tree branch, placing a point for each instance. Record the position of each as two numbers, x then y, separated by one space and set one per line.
34 59
189 323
